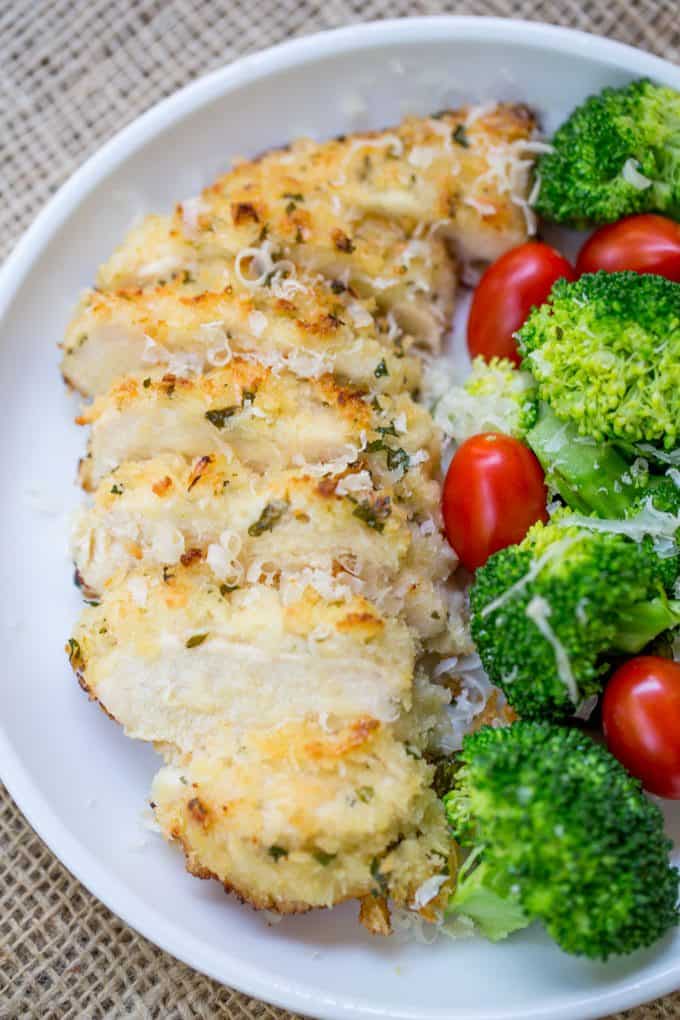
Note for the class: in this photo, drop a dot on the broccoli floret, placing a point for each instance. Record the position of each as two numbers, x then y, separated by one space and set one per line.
549 614
558 832
617 154
605 354
495 397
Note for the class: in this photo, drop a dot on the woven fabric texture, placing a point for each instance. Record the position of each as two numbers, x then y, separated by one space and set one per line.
72 73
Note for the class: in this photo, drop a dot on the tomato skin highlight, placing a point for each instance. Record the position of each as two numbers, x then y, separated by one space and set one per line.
493 492
641 721
643 244
508 290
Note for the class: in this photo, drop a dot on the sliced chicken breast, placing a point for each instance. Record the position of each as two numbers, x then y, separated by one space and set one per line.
264 540
292 739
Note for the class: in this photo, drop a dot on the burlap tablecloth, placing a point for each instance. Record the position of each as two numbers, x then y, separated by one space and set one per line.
72 72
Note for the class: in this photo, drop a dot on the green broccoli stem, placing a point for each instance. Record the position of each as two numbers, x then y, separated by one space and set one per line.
590 477
639 624
495 916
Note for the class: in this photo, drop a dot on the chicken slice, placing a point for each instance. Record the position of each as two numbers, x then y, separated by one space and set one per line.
368 211
461 170
267 421
413 284
289 322
242 410
285 528
176 658
302 817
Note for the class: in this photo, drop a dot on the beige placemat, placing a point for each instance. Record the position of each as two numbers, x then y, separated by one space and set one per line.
72 72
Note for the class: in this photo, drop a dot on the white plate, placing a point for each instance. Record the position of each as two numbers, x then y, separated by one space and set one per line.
81 783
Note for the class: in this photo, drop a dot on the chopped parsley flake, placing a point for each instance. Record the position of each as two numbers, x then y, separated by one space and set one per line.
378 875
195 640
74 652
271 515
219 416
323 858
460 136
387 430
398 459
374 515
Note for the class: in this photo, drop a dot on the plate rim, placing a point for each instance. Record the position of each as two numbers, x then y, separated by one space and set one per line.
130 907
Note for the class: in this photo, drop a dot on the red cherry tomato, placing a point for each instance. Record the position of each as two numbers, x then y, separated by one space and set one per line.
641 720
508 290
494 491
645 244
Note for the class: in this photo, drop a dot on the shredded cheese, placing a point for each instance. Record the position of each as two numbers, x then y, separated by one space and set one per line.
631 174
556 549
659 525
257 323
538 611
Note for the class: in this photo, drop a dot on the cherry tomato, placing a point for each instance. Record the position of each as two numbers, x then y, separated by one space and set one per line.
494 491
641 720
508 290
645 244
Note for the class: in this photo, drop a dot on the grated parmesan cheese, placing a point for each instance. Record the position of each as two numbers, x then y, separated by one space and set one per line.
191 210
556 549
164 266
257 323
428 890
630 171
538 611
421 156
483 208
361 482
360 317
138 590
480 110
659 525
